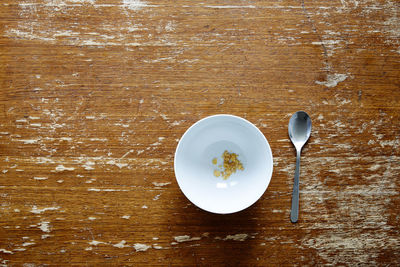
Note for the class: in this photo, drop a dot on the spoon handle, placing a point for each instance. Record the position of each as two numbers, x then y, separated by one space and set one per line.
294 214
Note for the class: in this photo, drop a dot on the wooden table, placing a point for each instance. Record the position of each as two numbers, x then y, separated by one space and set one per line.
95 95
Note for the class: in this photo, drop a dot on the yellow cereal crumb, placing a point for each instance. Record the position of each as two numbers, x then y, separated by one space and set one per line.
214 161
230 166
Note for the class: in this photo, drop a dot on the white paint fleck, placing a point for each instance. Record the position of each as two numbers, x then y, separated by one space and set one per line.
237 237
40 178
20 249
339 124
118 164
326 42
121 165
371 142
126 154
170 27
161 184
107 190
28 244
98 139
88 248
90 117
83 1
343 102
60 181
332 80
94 189
44 226
392 143
157 197
28 141
126 217
122 125
6 251
89 165
41 160
95 243
141 247
374 167
185 238
38 211
159 60
16 210
155 144
156 246
135 4
176 123
45 236
114 190
165 117
61 168
92 218
231 6
120 244
144 207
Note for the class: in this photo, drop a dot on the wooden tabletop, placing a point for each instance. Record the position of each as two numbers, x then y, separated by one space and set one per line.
95 95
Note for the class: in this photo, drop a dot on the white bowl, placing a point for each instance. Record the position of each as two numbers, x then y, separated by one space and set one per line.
208 139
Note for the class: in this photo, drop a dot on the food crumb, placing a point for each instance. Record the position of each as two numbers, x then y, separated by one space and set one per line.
230 165
214 161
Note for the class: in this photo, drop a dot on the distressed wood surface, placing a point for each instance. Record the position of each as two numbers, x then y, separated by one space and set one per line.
95 95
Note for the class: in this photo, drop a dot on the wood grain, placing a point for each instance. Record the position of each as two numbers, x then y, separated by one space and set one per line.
95 95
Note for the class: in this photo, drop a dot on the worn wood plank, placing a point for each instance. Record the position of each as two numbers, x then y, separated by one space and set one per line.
95 95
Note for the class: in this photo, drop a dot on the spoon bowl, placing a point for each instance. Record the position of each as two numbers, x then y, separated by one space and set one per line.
299 129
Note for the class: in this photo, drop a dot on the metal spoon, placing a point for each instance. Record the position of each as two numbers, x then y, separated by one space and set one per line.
299 132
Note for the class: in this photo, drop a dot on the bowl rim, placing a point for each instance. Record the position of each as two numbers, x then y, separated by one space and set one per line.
269 151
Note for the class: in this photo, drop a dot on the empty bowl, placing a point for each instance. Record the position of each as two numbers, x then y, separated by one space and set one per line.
198 160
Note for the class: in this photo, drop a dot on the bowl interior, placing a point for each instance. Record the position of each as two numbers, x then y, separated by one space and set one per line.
208 139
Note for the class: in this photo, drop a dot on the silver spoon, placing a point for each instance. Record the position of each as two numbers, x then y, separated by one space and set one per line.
299 132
